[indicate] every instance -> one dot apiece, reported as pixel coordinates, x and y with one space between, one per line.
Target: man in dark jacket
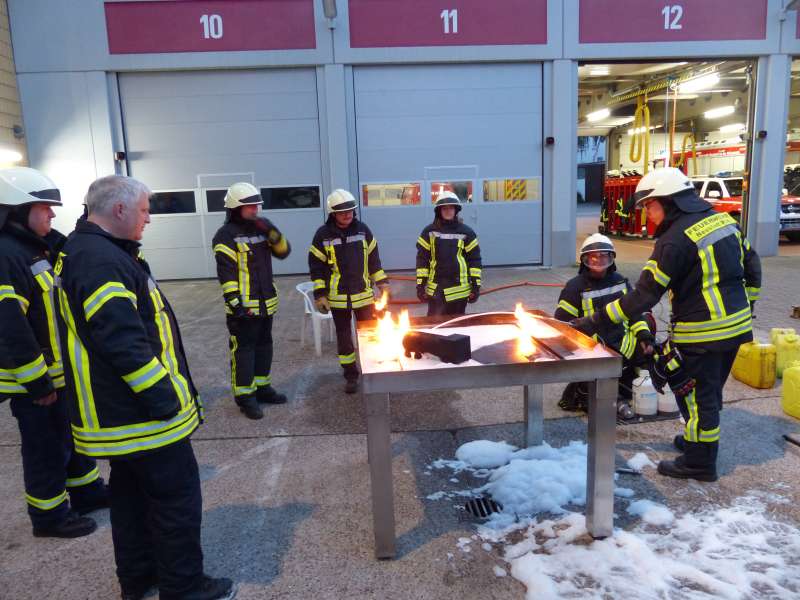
343 261
714 277
597 284
31 369
133 400
243 249
448 260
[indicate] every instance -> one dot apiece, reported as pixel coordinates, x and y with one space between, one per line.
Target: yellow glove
323 305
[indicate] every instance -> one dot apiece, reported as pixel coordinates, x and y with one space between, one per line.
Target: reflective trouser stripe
248 388
709 436
48 504
691 433
90 477
262 381
347 359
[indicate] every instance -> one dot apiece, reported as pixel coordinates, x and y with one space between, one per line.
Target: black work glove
421 294
474 294
240 312
587 325
646 341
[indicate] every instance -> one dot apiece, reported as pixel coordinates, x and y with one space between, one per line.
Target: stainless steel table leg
600 463
534 414
380 472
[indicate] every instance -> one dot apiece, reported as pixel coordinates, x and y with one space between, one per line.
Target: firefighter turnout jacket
344 263
243 251
448 259
712 275
127 376
584 295
30 354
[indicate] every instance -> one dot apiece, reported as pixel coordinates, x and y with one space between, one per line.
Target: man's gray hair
107 191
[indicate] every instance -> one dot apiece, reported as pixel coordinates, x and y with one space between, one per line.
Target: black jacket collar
87 227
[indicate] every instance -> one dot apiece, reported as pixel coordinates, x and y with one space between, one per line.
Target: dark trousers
251 355
156 511
700 408
437 305
50 465
342 320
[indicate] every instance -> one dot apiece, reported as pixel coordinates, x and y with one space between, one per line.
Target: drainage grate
482 507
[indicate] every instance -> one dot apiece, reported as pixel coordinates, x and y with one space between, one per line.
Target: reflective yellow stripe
27 372
333 286
262 381
660 277
431 287
347 359
48 504
421 241
7 387
711 293
563 304
628 345
244 273
373 243
79 364
708 226
713 336
712 435
45 281
713 324
223 249
422 272
614 311
107 291
90 477
243 390
145 377
753 293
690 431
366 264
318 253
379 275
168 356
475 272
7 292
639 326
230 287
471 246
319 284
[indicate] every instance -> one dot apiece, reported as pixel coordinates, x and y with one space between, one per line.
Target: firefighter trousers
700 408
437 305
251 355
342 321
50 466
156 513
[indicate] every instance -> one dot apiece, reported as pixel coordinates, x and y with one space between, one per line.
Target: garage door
189 135
475 130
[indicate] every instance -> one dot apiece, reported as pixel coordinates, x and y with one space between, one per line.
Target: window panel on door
174 202
462 189
390 194
291 197
511 190
215 200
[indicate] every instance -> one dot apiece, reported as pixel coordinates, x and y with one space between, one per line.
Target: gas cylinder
790 394
787 349
645 396
755 365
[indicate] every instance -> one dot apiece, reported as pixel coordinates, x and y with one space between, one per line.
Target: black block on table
454 348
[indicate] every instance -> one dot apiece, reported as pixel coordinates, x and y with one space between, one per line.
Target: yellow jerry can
790 395
755 365
788 351
777 332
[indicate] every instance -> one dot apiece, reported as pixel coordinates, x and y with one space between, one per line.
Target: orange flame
532 325
381 304
390 336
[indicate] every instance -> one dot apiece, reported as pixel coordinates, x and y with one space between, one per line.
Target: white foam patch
652 513
483 454
639 461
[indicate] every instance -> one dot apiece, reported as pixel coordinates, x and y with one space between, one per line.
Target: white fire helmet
22 185
597 252
242 194
661 183
340 200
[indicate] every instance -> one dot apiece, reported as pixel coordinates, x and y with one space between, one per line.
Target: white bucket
645 396
667 405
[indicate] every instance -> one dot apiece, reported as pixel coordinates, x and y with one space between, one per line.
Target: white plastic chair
306 290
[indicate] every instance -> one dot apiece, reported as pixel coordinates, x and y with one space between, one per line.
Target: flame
390 336
381 304
533 325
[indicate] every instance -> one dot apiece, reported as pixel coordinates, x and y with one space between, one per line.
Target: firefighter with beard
713 278
597 284
243 248
344 263
60 485
448 260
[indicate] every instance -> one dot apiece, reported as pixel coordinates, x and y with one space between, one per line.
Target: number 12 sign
620 21
405 23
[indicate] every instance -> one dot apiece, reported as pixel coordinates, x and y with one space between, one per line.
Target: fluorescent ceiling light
9 156
732 127
598 115
640 130
598 71
722 111
699 83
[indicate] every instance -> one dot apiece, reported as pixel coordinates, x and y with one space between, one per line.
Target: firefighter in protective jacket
243 248
448 261
31 369
713 278
597 284
343 262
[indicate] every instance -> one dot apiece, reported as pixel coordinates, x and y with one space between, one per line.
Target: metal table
602 371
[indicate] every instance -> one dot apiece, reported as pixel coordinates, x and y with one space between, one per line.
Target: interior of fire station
633 117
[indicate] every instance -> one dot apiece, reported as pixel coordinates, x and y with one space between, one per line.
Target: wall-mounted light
598 115
9 156
329 8
697 84
716 113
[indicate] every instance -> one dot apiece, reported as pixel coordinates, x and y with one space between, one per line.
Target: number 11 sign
405 23
621 21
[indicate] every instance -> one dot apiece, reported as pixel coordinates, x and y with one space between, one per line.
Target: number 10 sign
404 23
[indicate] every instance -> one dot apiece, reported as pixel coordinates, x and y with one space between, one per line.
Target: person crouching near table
343 262
448 260
597 284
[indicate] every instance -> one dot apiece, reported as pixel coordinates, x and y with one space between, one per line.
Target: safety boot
73 526
680 470
351 386
141 589
269 395
98 500
210 588
679 442
249 406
